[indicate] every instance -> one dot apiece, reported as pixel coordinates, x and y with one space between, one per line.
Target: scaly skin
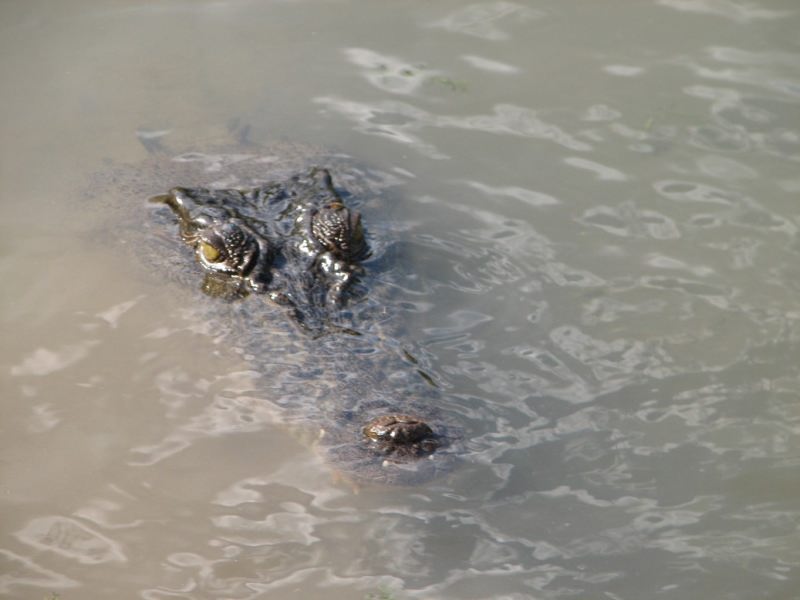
236 235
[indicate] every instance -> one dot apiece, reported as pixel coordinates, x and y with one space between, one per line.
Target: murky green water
600 202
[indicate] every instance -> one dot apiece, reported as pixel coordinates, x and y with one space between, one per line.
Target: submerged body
291 250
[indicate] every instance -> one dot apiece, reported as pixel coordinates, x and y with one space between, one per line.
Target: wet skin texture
401 435
296 243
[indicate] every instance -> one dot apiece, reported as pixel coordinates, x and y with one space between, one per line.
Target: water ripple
484 20
44 361
740 11
18 570
388 73
624 70
602 172
509 119
396 121
71 539
629 220
529 197
493 66
400 121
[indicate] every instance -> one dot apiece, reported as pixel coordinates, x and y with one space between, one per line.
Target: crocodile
290 243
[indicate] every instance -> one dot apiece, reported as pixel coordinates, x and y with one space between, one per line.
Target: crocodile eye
210 253
229 248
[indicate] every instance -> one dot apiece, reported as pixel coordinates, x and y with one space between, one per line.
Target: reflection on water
589 223
397 120
741 12
488 20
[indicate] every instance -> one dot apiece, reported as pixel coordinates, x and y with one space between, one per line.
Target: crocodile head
293 240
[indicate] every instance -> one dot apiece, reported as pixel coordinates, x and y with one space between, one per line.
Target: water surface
598 207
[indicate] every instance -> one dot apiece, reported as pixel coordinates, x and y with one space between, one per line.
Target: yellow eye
210 253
